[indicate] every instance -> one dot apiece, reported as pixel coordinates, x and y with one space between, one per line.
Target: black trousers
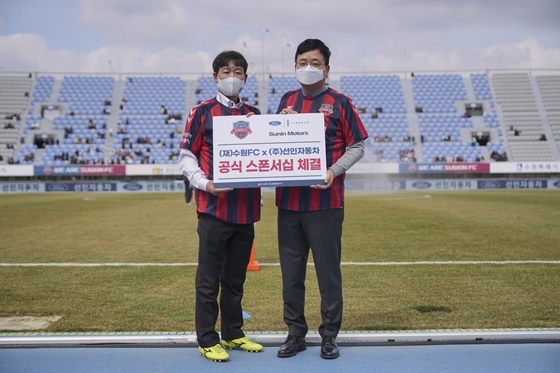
223 255
188 191
322 232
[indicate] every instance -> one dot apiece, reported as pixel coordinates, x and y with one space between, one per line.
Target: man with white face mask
311 217
226 217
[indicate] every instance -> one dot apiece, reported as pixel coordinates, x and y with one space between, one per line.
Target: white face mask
309 75
230 86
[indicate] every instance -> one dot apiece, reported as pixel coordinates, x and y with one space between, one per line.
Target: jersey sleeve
192 137
355 129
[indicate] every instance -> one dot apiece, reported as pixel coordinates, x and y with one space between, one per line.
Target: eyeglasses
315 64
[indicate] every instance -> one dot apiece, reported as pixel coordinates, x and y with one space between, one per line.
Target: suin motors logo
241 129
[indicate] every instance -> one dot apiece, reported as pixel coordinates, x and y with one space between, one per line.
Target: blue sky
175 36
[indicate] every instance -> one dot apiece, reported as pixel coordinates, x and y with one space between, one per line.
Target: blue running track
401 352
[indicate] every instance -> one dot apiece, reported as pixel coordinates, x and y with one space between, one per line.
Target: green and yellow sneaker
214 353
243 344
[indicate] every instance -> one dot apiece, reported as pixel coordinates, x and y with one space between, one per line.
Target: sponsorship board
436 184
421 168
151 186
466 167
81 187
351 183
152 169
140 186
513 184
444 168
524 167
269 150
358 184
102 170
68 170
77 170
16 170
22 187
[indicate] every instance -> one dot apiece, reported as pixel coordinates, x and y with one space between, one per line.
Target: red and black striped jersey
239 206
343 127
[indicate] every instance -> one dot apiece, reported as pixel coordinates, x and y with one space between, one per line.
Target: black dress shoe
292 346
329 348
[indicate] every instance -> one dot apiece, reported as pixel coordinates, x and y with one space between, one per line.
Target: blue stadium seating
86 95
481 86
438 93
147 95
375 92
147 122
43 89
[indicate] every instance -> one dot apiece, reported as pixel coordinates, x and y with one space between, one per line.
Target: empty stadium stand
522 118
549 90
429 117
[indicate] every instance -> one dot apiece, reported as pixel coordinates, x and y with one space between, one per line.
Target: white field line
504 262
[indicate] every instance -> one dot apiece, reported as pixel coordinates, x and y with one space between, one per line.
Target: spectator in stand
499 156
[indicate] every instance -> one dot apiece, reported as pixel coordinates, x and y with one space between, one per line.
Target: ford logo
421 184
133 187
490 185
57 187
275 123
556 183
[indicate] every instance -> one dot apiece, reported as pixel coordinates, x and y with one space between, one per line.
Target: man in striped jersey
311 217
225 216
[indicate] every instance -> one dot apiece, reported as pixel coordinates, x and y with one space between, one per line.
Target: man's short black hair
223 59
311 45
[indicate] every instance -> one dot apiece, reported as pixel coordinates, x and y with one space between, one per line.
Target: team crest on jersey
326 109
241 129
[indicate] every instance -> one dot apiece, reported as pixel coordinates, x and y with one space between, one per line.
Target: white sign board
269 150
524 167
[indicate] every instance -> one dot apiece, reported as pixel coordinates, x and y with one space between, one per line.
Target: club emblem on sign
241 129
